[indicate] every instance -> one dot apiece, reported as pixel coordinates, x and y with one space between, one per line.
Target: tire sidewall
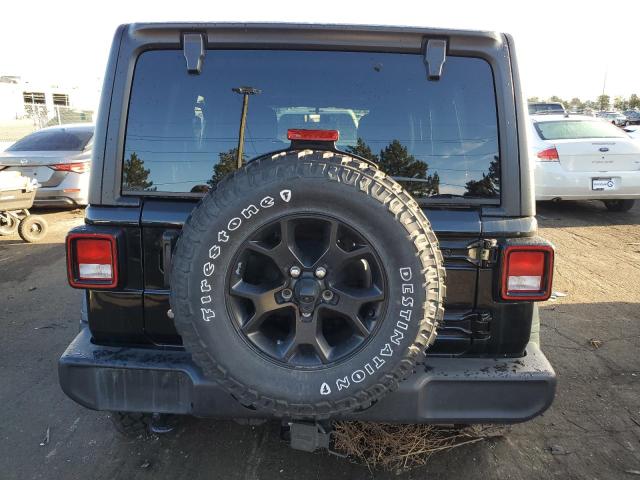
10 227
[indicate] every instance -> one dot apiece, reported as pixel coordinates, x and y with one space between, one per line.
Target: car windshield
61 139
575 129
437 138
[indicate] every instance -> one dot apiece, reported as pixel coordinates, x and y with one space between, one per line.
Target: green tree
634 101
533 99
396 161
576 104
363 150
620 103
489 186
603 102
555 98
227 163
135 176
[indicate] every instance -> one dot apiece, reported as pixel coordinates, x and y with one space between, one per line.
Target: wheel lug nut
327 295
321 272
295 271
286 294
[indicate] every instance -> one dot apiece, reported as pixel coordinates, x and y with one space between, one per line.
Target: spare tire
307 284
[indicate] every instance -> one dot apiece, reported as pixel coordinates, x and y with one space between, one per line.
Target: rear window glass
53 140
572 129
436 138
545 107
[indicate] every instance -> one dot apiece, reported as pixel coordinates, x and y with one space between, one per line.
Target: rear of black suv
386 157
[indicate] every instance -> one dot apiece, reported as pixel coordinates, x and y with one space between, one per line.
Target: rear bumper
54 197
552 182
444 390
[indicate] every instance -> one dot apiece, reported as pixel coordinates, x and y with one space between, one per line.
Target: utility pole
245 92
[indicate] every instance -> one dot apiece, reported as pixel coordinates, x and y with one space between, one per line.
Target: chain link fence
39 116
42 116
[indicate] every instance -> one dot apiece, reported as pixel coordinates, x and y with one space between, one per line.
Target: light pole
245 91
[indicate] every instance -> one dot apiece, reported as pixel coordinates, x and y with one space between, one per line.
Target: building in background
26 106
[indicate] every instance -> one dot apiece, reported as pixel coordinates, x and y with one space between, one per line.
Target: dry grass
400 447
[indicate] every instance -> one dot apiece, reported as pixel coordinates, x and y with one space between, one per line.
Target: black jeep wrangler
276 214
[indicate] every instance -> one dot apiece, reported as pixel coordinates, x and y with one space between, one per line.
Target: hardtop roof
289 27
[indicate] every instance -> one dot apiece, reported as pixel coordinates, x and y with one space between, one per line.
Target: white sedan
584 158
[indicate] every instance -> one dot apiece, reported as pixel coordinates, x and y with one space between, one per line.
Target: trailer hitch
308 436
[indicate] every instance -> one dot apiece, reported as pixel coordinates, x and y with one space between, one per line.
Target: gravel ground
591 335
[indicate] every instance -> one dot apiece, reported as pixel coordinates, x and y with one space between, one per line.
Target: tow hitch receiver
309 437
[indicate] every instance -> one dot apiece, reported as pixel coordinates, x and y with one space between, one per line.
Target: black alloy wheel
307 291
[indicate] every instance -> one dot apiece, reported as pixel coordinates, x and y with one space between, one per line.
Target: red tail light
78 167
92 260
548 155
527 272
317 135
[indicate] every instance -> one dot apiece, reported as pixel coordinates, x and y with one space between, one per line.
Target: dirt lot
591 335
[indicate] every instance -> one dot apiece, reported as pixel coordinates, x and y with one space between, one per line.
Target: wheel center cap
307 291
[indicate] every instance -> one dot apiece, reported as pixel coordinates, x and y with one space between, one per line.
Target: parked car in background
586 112
633 117
582 158
59 159
613 117
546 108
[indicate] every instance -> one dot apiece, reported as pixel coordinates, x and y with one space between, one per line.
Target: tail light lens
527 272
92 260
317 135
548 155
78 167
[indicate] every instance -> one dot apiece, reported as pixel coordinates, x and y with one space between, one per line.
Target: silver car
59 159
614 117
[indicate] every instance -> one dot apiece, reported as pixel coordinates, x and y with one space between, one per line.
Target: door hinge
193 48
483 252
435 54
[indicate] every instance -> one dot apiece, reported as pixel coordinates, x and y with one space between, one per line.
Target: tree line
395 160
603 102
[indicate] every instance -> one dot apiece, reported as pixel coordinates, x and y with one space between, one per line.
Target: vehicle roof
352 28
70 126
559 117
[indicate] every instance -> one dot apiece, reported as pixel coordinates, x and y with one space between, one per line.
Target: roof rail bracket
193 49
435 54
